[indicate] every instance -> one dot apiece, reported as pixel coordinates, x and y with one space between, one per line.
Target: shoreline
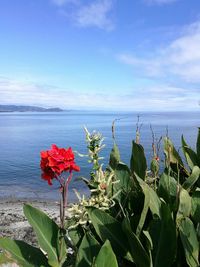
13 223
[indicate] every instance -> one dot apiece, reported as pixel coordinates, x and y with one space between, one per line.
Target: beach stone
13 223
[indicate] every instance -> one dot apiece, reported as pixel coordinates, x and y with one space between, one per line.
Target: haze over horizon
101 54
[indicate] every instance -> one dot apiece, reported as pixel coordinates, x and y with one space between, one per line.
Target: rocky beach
13 223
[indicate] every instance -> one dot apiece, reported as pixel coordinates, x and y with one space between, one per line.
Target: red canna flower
56 161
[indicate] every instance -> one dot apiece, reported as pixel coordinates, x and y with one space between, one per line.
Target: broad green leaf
170 152
148 238
167 188
24 254
114 157
198 145
138 252
144 211
190 155
189 241
185 204
47 232
88 250
122 176
76 235
163 234
138 160
195 212
191 180
106 256
109 228
154 203
149 245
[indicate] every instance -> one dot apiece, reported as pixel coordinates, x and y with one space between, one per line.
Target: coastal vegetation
134 216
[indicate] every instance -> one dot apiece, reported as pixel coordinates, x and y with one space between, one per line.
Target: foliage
126 221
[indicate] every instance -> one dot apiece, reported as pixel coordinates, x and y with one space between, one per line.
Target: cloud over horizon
158 97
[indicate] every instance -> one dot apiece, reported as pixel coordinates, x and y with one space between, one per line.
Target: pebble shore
13 223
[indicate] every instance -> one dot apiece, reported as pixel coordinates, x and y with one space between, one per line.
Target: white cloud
160 2
96 13
158 97
179 59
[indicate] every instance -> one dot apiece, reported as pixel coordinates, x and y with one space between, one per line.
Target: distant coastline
16 108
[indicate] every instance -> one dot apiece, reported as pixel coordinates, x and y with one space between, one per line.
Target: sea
24 135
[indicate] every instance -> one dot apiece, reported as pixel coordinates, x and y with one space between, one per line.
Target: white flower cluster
78 211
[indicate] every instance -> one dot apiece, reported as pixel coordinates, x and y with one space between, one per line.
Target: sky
124 55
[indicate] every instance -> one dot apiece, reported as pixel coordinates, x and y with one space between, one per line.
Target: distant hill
15 108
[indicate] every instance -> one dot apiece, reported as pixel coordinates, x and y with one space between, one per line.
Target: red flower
56 161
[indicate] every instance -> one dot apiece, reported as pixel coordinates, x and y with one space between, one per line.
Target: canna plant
125 221
147 224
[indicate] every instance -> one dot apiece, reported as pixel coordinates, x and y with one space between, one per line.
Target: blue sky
140 55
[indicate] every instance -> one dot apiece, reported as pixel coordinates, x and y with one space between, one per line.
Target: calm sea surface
24 135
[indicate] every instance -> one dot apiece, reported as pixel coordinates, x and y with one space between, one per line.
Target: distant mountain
14 108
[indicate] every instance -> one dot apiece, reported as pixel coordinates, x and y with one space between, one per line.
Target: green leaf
195 212
148 238
106 256
47 232
171 154
24 254
185 204
122 176
109 228
155 202
167 188
190 155
88 250
139 254
189 241
167 239
114 157
149 245
198 146
163 234
144 211
191 180
138 161
76 235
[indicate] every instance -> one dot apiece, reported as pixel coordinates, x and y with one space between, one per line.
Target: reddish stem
63 200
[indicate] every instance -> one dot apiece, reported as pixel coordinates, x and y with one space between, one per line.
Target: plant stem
62 203
63 200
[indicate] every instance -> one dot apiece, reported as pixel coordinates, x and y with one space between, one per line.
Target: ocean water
24 135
